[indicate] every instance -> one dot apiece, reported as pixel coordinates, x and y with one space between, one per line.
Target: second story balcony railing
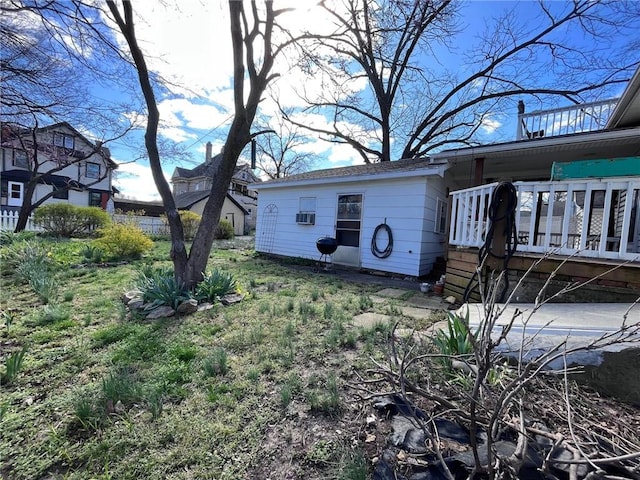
586 117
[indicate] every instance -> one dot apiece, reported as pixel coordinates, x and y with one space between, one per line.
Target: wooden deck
619 285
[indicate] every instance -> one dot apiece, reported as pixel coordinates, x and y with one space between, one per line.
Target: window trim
64 139
441 214
86 170
93 193
15 156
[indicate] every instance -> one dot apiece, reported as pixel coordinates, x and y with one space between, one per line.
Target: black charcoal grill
326 246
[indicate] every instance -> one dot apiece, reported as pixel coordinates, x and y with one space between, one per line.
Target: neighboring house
232 210
577 178
349 204
191 187
76 169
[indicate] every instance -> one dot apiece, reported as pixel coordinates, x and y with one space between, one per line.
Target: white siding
407 204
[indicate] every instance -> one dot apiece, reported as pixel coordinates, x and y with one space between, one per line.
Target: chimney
207 155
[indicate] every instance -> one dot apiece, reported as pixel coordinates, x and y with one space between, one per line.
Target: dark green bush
224 230
66 220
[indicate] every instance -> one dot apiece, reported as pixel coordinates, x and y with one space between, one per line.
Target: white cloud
136 180
489 125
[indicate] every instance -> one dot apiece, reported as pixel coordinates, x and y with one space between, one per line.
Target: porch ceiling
532 159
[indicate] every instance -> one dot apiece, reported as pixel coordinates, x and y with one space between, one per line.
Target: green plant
12 365
214 285
92 253
123 241
4 408
67 220
216 363
44 285
190 222
121 386
457 340
52 314
160 287
8 317
365 302
224 230
87 413
353 466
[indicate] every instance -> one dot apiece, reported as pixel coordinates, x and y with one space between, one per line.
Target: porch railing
586 218
586 117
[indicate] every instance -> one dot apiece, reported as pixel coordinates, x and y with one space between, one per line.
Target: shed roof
373 171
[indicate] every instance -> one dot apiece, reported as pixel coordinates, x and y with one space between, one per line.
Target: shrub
66 220
123 241
190 222
159 287
214 285
224 230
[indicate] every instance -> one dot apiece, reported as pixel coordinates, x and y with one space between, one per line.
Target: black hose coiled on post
374 244
503 189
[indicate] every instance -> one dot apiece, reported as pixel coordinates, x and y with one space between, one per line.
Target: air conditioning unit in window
306 218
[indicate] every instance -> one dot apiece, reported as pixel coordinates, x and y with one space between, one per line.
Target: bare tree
251 35
279 152
414 103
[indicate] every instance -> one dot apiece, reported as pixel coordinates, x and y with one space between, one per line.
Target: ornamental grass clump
214 285
160 287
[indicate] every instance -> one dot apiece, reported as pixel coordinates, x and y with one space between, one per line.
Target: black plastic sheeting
408 436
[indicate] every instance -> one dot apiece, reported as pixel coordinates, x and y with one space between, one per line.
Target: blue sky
192 48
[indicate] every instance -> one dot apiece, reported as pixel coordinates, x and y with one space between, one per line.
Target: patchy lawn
258 389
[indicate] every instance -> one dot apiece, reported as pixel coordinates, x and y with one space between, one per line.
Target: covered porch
583 229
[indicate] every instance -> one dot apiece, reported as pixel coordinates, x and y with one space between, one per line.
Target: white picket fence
150 225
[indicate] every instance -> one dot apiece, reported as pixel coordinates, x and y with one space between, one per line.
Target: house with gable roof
70 167
191 189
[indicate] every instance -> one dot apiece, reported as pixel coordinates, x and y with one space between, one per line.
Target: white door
16 194
348 222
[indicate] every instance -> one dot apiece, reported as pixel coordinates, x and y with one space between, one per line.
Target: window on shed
441 217
307 204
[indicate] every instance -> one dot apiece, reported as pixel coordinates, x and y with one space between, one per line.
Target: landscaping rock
205 306
136 304
231 298
131 295
187 307
161 312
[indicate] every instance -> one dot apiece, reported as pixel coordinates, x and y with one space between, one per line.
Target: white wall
407 204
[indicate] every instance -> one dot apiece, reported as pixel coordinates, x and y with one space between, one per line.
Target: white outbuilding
387 217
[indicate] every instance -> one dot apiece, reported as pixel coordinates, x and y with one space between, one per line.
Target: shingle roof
207 170
407 165
186 200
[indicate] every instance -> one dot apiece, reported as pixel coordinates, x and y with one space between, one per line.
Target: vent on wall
306 218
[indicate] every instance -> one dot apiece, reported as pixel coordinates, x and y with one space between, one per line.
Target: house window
62 140
95 199
20 159
61 193
308 204
441 217
93 170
